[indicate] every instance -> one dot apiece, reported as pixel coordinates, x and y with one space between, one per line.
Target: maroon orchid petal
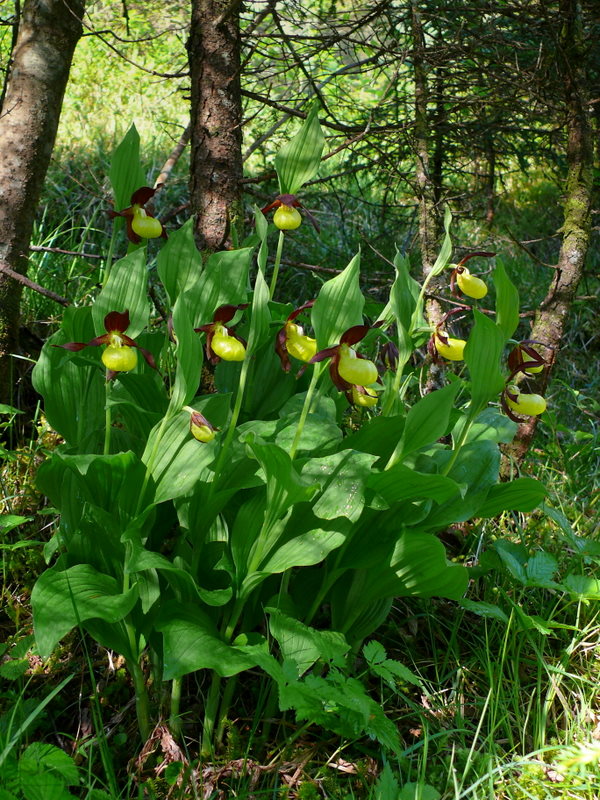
210 353
149 358
131 234
508 411
116 321
141 196
281 350
290 200
275 204
74 347
329 352
354 334
482 253
226 313
340 384
204 328
298 311
312 219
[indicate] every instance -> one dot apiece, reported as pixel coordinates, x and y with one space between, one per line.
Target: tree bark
216 119
48 33
551 318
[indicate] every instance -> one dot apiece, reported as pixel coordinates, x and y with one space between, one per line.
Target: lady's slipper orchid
389 355
524 358
447 347
221 341
200 428
292 341
362 396
469 285
347 367
120 354
141 224
529 405
286 216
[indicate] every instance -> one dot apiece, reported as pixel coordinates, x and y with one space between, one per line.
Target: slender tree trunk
47 35
216 117
551 318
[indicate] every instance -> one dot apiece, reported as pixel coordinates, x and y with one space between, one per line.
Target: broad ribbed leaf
125 290
62 598
342 478
191 642
428 419
482 354
507 301
179 263
224 281
298 160
522 494
188 355
304 645
400 483
126 174
339 305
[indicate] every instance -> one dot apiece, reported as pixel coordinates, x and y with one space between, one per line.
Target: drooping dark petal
482 253
329 352
149 358
226 313
275 204
340 384
141 196
312 219
116 321
297 311
74 347
281 350
354 334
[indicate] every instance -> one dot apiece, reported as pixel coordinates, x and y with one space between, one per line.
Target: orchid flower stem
228 692
235 414
108 421
142 705
210 715
308 400
458 445
276 264
174 718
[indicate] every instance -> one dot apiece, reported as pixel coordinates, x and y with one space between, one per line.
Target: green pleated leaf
400 483
304 645
298 160
522 494
507 301
188 354
125 290
339 305
191 642
342 478
72 384
126 174
482 355
179 263
62 598
260 315
428 419
404 296
224 281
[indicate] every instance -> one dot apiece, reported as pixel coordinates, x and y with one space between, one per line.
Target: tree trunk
47 35
216 118
550 320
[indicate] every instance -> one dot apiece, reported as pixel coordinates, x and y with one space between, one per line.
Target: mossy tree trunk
550 319
41 59
216 120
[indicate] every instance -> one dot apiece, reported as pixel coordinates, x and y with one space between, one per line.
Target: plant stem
174 717
107 421
210 715
276 264
233 421
230 687
458 445
305 409
142 705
